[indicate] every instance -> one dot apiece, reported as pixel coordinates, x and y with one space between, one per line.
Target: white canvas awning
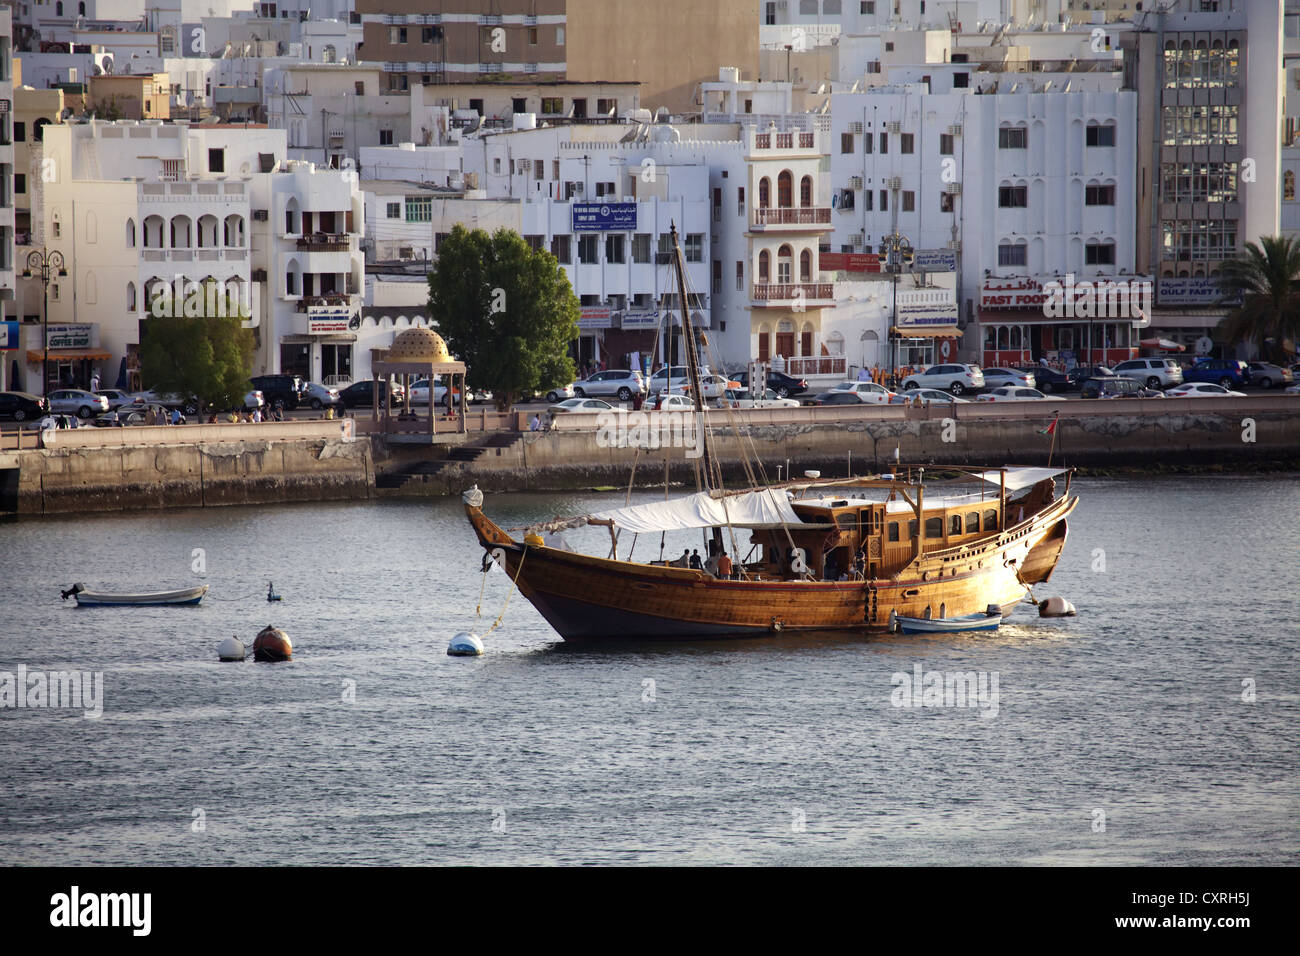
1018 478
754 509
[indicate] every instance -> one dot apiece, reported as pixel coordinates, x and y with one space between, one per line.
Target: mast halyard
692 361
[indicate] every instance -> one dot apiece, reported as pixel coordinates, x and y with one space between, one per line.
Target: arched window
764 193
130 297
784 265
806 340
81 9
180 230
764 266
785 189
805 191
1004 341
805 266
130 233
58 9
1288 185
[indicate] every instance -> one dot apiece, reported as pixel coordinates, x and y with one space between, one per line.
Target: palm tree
1266 278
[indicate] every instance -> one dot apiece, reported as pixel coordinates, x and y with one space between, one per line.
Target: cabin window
911 529
846 520
972 521
954 524
934 527
991 520
893 531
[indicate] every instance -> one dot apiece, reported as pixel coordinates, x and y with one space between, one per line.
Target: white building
8 279
138 207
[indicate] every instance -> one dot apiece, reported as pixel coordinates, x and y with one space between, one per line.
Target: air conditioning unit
954 245
860 240
525 164
855 182
954 130
855 127
261 215
894 182
953 189
894 127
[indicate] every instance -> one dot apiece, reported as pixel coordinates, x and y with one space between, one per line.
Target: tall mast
692 363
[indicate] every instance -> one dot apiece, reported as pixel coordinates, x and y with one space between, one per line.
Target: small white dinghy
88 598
987 621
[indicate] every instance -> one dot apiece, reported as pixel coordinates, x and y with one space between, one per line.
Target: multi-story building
8 277
1210 94
1018 187
667 47
145 213
331 110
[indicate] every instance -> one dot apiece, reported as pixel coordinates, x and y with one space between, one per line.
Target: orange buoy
272 645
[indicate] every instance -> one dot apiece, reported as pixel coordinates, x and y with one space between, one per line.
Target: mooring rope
514 584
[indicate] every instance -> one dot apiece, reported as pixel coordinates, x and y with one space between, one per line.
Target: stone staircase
459 454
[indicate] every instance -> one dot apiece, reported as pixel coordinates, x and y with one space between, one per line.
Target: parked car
1225 372
950 378
711 385
869 392
420 392
76 401
1203 390
1081 373
836 398
22 406
927 395
1151 372
1117 387
667 379
1000 377
1049 380
784 385
280 390
1012 393
117 397
1268 375
362 394
741 398
559 394
585 406
621 383
320 396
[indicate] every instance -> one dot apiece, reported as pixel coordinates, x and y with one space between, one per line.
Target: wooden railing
782 291
817 365
792 216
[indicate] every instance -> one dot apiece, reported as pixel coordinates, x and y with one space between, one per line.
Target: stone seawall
65 479
1154 435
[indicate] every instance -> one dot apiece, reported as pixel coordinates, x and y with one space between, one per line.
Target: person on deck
685 560
724 566
696 563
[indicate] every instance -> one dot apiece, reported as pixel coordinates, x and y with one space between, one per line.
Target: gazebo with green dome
418 353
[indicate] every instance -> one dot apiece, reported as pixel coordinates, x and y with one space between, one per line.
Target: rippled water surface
1121 736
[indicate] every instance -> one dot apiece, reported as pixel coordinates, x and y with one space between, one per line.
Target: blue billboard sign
8 336
604 217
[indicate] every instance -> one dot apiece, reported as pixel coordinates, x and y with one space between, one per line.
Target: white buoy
465 644
1056 607
231 649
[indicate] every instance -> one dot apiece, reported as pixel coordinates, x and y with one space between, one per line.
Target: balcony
324 242
817 365
792 218
330 298
785 293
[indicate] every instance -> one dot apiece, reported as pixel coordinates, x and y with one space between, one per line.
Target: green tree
198 347
1266 277
506 310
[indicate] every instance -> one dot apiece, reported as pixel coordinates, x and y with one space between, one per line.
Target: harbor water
1159 726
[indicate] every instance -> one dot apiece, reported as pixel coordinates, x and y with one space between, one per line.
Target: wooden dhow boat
847 555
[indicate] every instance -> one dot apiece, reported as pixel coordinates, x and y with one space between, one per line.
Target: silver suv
950 378
1151 372
620 382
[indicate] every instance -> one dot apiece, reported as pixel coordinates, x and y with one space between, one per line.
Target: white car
1203 390
320 396
928 395
740 398
869 392
1151 372
675 403
1013 393
1292 390
581 406
117 397
560 394
420 392
76 401
998 377
949 378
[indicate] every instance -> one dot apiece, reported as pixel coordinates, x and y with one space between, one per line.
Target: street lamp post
43 264
897 249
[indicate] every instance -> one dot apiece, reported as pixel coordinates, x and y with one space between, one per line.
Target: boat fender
75 589
1056 607
893 621
465 644
534 540
231 649
777 624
